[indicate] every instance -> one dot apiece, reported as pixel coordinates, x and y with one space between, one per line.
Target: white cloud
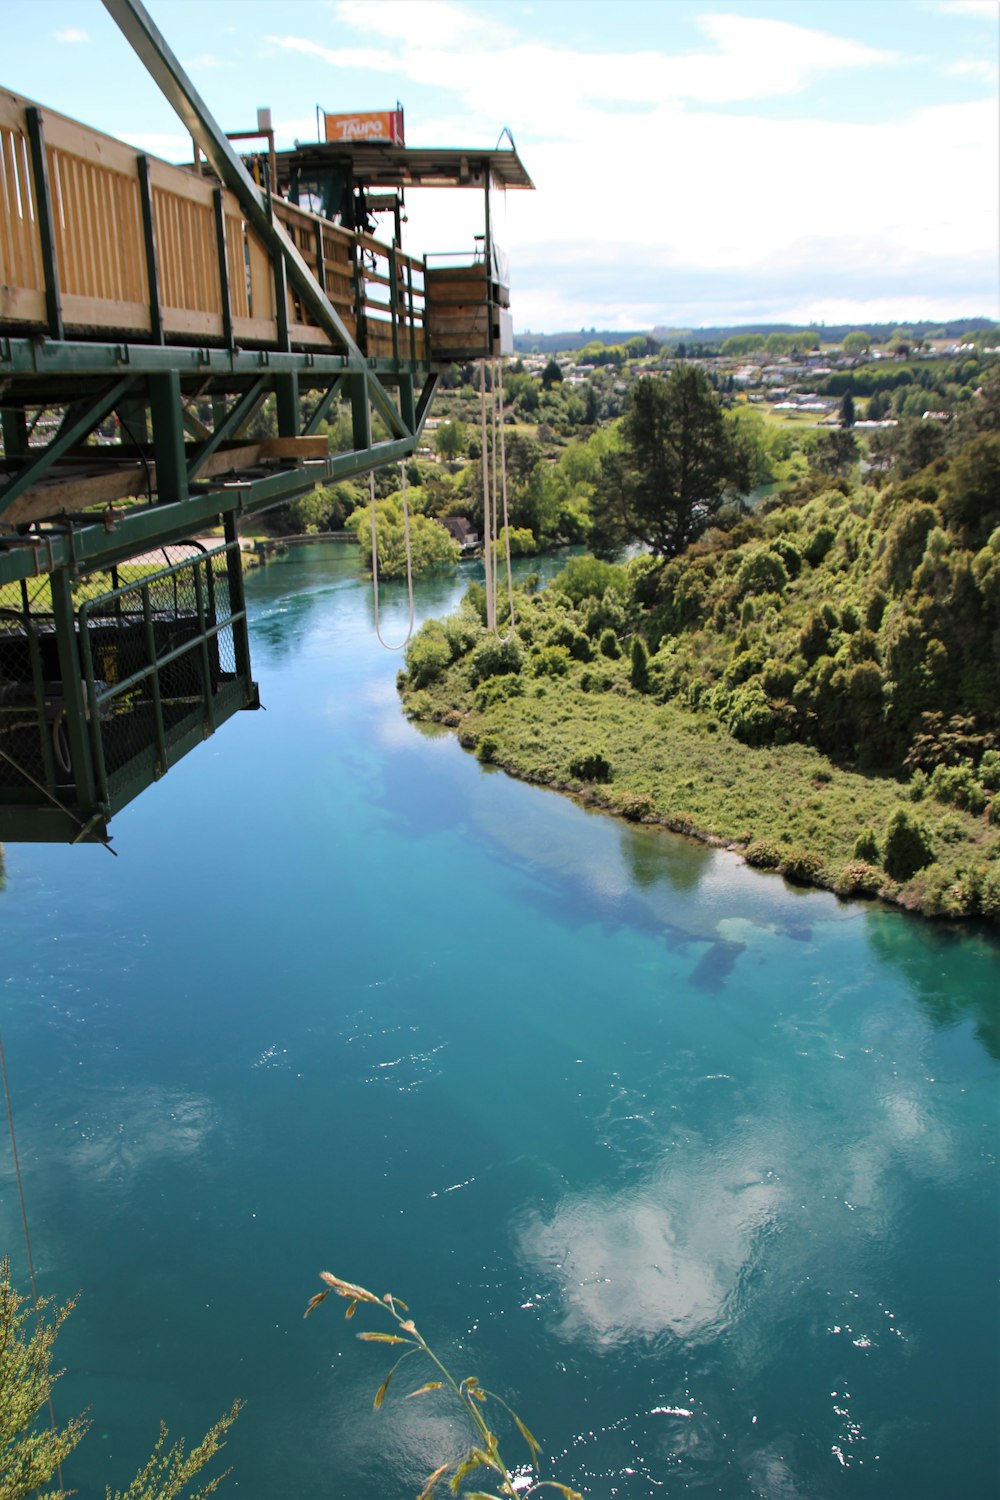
71 34
974 67
986 10
649 179
750 59
448 23
204 60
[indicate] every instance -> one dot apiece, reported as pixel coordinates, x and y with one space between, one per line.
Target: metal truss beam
79 422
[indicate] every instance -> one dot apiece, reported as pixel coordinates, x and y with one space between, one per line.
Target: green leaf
476 1458
534 1446
380 1393
383 1338
432 1479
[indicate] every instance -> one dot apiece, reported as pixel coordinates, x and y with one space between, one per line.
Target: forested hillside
816 681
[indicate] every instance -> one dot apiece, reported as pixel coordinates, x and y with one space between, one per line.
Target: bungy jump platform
148 312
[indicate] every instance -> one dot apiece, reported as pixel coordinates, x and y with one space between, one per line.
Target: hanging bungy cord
498 382
409 558
490 496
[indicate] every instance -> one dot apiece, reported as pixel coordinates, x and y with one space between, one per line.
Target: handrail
140 248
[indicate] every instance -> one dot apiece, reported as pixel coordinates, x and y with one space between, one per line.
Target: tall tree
676 463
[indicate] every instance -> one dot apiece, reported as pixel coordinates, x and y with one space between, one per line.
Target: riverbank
786 808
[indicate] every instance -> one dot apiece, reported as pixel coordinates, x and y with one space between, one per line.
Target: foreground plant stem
468 1392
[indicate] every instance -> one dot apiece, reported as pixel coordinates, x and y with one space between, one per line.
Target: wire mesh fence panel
160 663
34 749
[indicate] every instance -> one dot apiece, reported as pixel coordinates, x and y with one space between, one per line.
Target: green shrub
486 749
819 544
763 855
778 678
907 846
814 637
608 644
989 770
866 847
789 554
639 673
565 633
859 879
989 893
957 786
427 655
588 578
801 866
634 806
498 690
594 766
493 657
750 716
418 705
550 661
744 664
761 572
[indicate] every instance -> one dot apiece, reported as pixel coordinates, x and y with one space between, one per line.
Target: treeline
833 333
846 634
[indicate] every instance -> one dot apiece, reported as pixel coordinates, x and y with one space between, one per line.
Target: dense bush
593 766
907 846
763 854
428 654
801 866
639 672
493 657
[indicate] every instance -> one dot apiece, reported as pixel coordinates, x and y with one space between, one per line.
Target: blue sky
696 163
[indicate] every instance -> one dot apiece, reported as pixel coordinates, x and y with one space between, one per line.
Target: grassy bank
784 807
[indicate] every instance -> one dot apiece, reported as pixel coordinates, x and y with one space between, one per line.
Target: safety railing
98 240
165 660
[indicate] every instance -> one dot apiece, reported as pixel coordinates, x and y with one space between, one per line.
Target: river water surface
697 1171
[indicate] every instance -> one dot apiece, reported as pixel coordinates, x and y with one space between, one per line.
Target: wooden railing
98 240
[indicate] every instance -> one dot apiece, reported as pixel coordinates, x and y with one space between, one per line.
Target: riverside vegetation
815 683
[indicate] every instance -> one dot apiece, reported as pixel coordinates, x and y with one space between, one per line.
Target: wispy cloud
71 34
450 24
746 59
986 10
205 60
973 67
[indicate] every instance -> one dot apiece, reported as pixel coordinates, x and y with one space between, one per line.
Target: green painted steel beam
87 547
322 408
234 419
37 358
77 425
136 24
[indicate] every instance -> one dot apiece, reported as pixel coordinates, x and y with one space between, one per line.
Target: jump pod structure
148 312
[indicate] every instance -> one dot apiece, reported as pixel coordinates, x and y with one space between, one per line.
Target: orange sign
380 125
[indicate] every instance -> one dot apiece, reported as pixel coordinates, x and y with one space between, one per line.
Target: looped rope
409 558
491 500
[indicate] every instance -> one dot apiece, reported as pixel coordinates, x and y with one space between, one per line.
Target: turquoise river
696 1170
